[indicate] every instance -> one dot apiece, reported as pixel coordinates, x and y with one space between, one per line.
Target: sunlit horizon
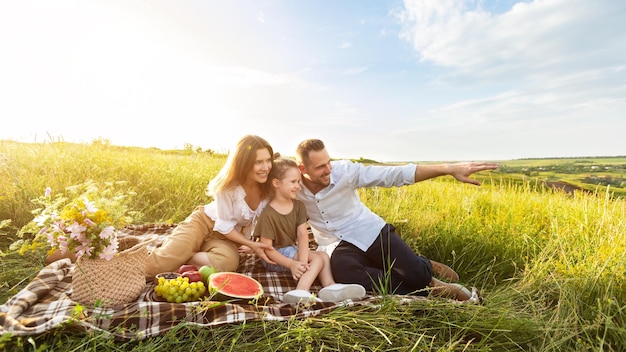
383 80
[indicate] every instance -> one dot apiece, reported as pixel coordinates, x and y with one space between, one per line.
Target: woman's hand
260 248
243 249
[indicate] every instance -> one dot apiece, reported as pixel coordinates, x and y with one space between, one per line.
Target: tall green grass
550 266
169 184
564 256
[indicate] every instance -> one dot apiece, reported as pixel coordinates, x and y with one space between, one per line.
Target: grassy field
594 175
550 265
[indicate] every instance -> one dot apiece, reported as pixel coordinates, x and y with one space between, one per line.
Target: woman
212 234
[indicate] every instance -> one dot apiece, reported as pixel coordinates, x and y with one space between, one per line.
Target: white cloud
530 37
539 73
485 80
354 70
345 45
242 76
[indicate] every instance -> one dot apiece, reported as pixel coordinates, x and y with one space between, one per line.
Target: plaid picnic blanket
46 303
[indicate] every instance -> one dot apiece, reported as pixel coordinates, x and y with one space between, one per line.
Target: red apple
186 267
193 275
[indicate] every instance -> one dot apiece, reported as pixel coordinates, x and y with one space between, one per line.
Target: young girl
283 224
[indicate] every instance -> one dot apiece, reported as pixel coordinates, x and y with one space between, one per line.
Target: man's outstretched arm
460 171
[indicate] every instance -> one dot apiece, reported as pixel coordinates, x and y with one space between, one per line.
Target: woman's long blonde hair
238 164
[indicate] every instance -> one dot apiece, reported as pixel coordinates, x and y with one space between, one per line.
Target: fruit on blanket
167 275
234 286
179 290
193 276
186 267
206 271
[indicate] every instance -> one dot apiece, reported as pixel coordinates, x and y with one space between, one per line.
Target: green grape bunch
179 290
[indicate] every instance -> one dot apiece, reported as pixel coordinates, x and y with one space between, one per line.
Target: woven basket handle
139 246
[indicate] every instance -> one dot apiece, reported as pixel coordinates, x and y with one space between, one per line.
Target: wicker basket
111 282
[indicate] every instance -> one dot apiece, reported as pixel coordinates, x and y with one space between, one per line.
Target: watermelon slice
234 286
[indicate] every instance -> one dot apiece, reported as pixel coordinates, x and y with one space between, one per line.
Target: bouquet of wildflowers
84 224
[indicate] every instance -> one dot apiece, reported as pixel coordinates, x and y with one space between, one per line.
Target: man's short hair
306 147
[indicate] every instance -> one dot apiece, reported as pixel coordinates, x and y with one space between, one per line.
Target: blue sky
386 80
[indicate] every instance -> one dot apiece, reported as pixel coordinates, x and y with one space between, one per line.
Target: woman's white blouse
230 211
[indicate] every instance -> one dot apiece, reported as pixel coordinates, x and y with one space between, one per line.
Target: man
363 247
